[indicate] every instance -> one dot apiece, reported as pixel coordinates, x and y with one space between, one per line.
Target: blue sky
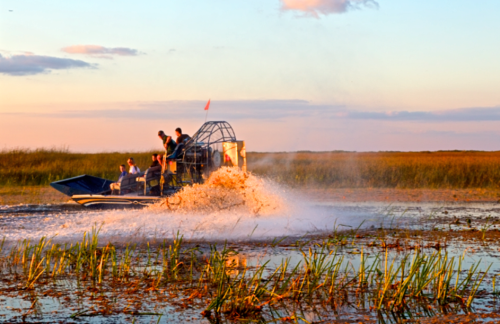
288 74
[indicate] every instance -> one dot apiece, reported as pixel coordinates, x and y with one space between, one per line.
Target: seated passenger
116 185
134 169
181 138
168 142
155 163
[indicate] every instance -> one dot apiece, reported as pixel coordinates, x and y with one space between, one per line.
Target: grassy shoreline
411 170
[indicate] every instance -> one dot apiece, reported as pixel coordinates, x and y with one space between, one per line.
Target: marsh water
258 239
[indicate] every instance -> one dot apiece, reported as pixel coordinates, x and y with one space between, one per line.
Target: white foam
231 205
132 225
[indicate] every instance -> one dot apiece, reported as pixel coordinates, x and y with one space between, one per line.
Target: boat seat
128 183
151 180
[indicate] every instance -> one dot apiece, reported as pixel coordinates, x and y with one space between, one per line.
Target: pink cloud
100 51
325 7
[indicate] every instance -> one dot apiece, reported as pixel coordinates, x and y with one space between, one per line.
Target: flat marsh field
429 170
338 176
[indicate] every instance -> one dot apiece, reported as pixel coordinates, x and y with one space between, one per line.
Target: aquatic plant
216 282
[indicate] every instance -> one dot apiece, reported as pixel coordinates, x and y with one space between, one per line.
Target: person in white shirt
134 169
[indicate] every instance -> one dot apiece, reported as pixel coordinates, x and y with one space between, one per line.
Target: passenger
123 172
168 142
155 163
134 169
180 137
116 185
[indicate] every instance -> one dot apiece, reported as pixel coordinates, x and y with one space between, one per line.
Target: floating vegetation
321 279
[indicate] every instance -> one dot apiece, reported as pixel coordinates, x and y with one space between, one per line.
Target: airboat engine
235 154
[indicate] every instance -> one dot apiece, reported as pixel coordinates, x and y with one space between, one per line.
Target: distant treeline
444 169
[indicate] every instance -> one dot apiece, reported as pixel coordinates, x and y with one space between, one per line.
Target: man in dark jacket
180 137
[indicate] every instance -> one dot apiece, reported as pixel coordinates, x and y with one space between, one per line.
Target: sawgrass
42 166
323 276
432 170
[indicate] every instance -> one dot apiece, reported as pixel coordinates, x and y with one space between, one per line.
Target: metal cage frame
210 129
204 142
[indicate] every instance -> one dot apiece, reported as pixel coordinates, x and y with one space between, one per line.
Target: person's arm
166 142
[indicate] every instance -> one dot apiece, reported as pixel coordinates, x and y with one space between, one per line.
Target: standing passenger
180 137
168 142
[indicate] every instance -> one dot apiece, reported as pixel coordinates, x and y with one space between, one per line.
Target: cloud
275 110
315 8
29 64
280 109
453 115
272 110
100 51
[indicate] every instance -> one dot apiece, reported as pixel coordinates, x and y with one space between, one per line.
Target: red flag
208 105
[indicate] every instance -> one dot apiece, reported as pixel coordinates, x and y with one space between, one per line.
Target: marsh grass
42 166
442 169
447 169
212 281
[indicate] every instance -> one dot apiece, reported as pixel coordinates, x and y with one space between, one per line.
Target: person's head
159 158
178 131
161 134
153 157
122 167
131 161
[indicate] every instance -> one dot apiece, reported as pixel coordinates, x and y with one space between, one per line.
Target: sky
288 75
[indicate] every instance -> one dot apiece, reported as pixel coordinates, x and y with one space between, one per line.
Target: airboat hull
114 201
82 185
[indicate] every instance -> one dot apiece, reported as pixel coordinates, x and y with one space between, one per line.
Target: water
253 215
251 234
33 222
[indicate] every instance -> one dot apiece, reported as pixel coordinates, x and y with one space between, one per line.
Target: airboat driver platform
214 145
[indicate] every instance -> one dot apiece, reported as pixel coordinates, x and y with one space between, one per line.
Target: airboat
214 145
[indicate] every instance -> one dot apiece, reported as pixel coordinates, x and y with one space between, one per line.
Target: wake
231 205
